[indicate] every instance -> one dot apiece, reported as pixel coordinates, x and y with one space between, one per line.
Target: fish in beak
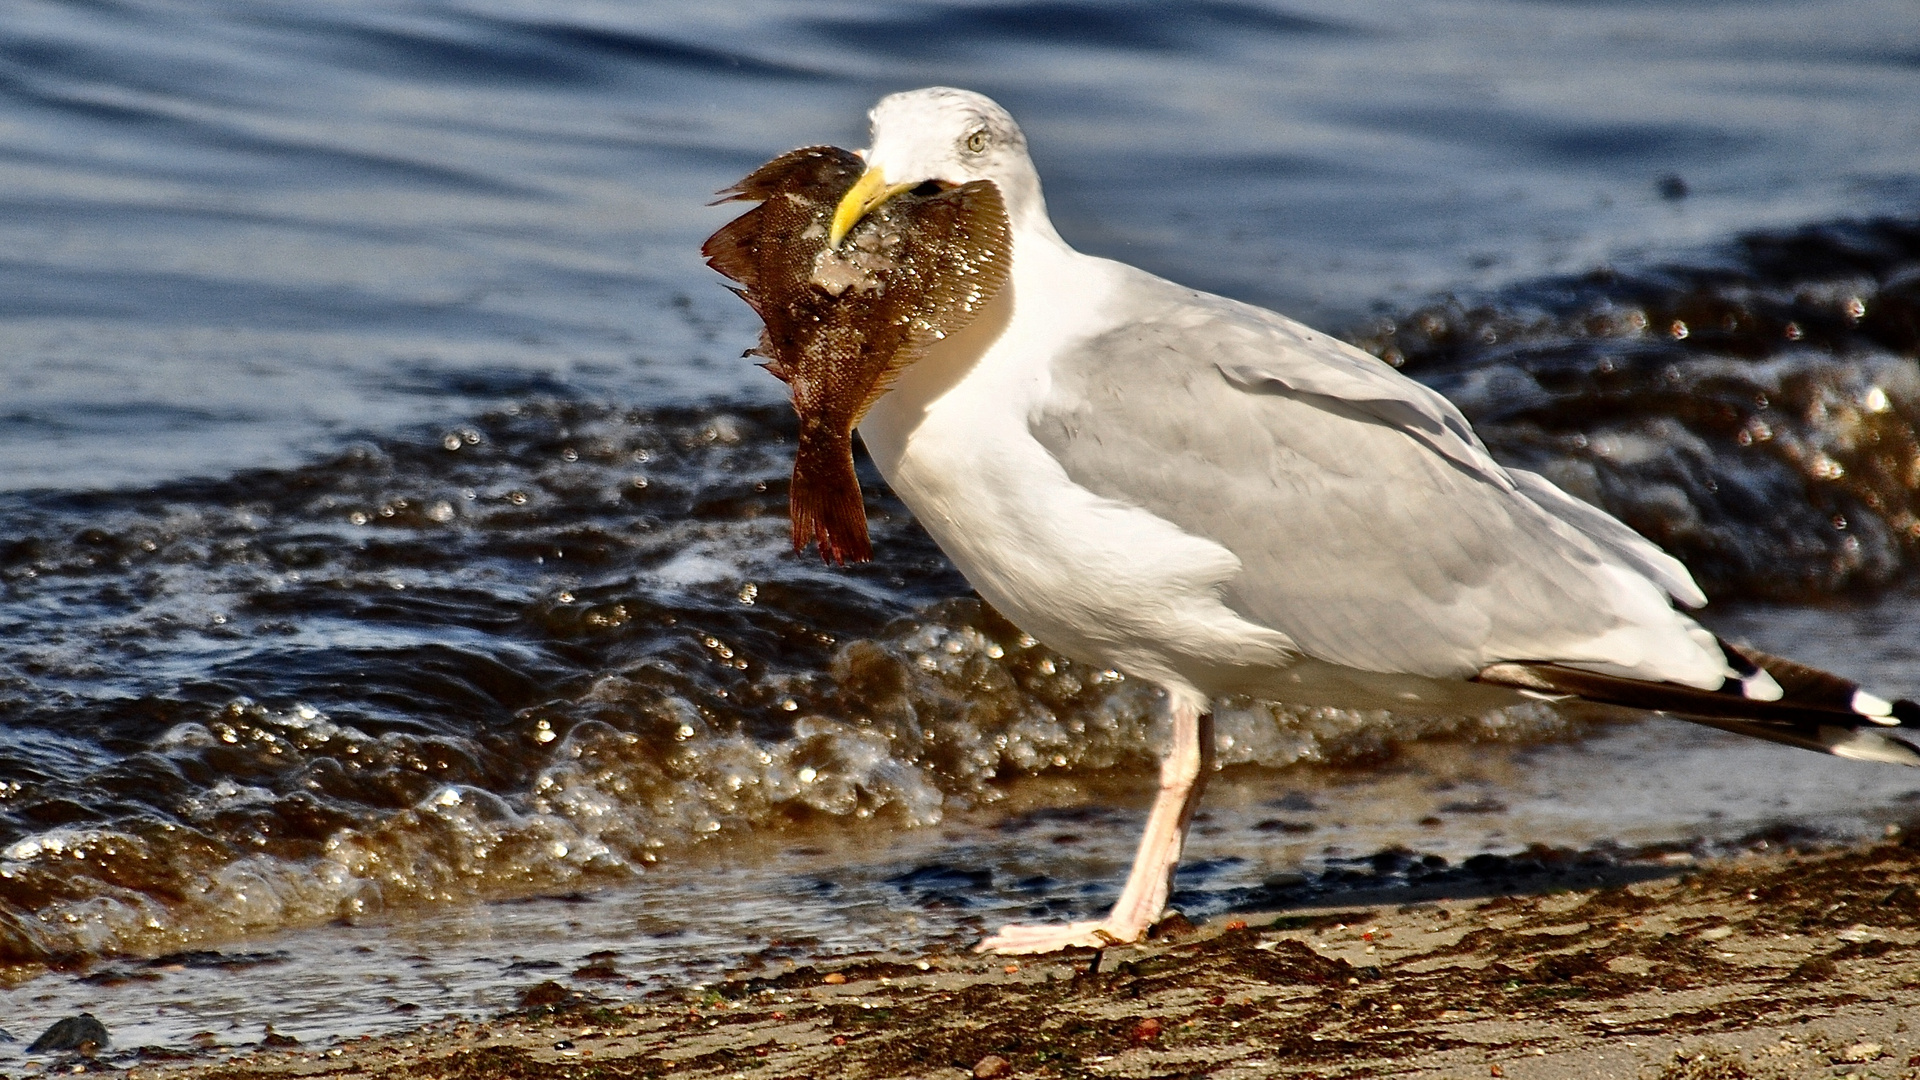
853 279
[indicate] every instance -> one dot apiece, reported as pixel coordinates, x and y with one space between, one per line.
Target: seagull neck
1027 210
1040 258
1036 244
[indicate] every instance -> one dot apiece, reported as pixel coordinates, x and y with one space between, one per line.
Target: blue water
239 234
390 530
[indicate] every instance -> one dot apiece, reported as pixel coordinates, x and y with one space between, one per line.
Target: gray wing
1372 525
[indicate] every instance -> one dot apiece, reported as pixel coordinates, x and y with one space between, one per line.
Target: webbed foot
1052 937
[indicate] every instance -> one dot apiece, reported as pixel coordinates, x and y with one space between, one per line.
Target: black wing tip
1857 726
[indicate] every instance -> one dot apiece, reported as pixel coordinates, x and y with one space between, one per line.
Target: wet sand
1779 965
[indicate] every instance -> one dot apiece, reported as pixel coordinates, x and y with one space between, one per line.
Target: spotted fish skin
840 323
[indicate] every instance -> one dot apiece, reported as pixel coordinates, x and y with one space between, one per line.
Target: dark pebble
83 1033
992 1067
1172 928
544 994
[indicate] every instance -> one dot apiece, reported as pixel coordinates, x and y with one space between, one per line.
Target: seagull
1220 500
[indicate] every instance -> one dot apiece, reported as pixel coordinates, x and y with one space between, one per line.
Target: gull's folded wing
1371 525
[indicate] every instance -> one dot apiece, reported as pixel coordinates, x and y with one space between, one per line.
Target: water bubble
748 592
452 442
1678 330
725 430
357 518
441 511
1876 400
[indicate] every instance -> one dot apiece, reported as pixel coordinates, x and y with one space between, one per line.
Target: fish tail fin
824 500
1769 698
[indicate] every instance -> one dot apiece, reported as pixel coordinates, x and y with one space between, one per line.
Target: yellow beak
860 200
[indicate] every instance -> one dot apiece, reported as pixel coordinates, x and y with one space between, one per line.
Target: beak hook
866 194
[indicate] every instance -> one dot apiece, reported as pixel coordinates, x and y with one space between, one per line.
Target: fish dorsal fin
737 249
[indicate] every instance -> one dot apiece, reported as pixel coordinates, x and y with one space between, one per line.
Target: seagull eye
977 141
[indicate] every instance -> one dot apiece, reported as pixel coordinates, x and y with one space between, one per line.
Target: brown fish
842 321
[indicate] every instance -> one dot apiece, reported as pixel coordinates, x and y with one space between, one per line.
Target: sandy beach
1776 965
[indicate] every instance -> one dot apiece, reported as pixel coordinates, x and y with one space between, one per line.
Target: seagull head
943 137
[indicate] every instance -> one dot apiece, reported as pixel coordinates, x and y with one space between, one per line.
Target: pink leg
1183 775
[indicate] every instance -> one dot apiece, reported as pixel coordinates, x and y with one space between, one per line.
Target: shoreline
1762 966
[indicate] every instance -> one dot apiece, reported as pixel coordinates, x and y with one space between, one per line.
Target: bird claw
1025 940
